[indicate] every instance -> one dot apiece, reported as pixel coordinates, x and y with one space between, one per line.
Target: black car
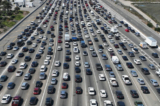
3 78
134 93
131 54
145 71
31 50
39 84
77 70
119 95
38 41
3 53
78 90
34 64
124 47
29 42
49 52
10 85
125 58
65 65
144 89
38 56
3 63
32 70
78 78
155 55
98 66
50 89
11 68
24 49
100 47
142 58
88 71
67 58
121 44
120 103
129 65
1 86
33 101
27 58
158 90
20 54
68 52
48 101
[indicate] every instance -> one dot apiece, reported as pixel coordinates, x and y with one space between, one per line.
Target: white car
65 76
48 57
110 36
107 103
103 93
110 49
113 82
86 36
14 61
89 24
45 38
34 45
19 73
59 48
77 63
77 57
135 50
93 34
43 68
50 43
23 65
57 63
91 91
6 98
105 44
75 49
55 73
45 25
36 33
42 47
40 36
91 48
137 61
10 55
15 48
100 51
102 77
98 32
86 65
124 40
126 79
39 21
75 44
46 62
93 102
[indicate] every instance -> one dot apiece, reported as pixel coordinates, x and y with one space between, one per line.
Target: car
126 79
110 49
130 45
134 73
68 52
42 76
40 51
91 91
11 68
50 89
144 89
63 94
103 93
24 49
53 81
94 54
15 48
32 70
119 67
78 90
140 81
86 65
65 65
6 99
3 53
93 102
65 76
135 50
59 48
158 90
33 100
151 66
142 58
16 101
134 93
77 57
138 103
19 73
23 65
155 55
111 74
113 82
48 57
27 58
104 57
137 61
119 95
36 91
129 65
39 84
120 103
10 55
57 63
64 85
34 64
125 58
10 85
46 62
27 76
108 67
14 61
131 54
77 63
107 103
154 82
145 71
78 78
75 44
100 51
3 63
3 78
55 73
120 52
85 53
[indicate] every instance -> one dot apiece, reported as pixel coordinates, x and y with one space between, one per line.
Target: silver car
53 81
151 66
42 76
27 76
119 67
91 48
24 85
130 45
154 82
86 64
140 81
120 52
112 75
134 73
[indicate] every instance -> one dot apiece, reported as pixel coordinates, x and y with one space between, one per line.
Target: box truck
115 59
67 38
151 42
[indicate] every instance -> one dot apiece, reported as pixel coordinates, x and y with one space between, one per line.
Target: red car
16 101
59 37
66 26
51 26
36 91
56 12
116 46
59 41
64 85
126 30
46 20
78 90
110 22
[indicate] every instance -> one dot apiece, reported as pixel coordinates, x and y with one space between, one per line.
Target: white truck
143 45
115 59
114 29
158 72
151 42
67 38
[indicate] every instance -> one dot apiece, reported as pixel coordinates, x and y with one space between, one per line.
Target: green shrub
13 16
18 17
9 23
1 18
157 29
150 24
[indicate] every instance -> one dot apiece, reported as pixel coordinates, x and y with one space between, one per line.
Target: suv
63 94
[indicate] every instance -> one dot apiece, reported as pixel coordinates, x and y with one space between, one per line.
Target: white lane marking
25 102
33 81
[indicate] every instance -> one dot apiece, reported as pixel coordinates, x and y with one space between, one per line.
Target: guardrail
15 26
